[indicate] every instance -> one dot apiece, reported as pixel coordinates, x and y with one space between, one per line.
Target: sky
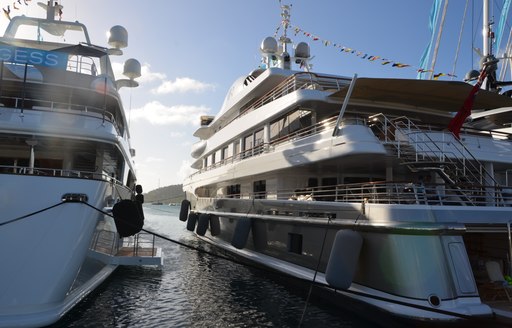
191 51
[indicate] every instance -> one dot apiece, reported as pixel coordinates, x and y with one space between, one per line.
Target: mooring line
260 268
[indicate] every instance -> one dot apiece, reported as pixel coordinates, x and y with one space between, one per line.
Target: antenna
273 50
53 9
284 40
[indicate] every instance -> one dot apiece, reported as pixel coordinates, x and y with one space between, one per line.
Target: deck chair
496 277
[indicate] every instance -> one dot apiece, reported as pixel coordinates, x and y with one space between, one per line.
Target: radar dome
118 37
132 68
302 50
471 75
269 45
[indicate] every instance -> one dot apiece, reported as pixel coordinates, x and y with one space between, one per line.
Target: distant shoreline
165 195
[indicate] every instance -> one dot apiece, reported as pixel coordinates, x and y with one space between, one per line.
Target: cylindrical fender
214 225
202 224
343 259
241 233
185 207
191 222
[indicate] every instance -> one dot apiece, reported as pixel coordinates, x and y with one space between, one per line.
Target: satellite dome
132 68
118 37
471 75
269 45
302 50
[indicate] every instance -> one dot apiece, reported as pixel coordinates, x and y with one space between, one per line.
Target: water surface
195 289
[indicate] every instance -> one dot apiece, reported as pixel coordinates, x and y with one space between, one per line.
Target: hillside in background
165 195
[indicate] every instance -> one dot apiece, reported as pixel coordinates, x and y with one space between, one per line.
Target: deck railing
61 173
394 193
108 242
324 125
296 82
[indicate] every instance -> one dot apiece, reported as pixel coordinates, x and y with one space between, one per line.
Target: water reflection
197 290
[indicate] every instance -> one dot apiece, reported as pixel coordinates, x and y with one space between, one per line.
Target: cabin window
213 158
236 149
248 145
130 182
233 191
258 142
348 180
295 243
328 189
259 189
290 123
224 154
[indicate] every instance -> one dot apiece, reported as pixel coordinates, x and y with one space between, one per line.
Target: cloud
182 85
154 160
179 85
158 114
185 170
177 134
146 74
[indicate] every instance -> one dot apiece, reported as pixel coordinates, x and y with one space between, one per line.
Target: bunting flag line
15 5
371 58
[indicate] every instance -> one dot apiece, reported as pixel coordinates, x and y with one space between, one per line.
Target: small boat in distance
65 164
359 185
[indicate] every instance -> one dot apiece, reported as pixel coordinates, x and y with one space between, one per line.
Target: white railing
108 242
394 193
41 171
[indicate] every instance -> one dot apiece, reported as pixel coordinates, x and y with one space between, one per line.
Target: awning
438 95
83 50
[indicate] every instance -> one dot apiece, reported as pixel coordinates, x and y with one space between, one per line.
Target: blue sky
193 50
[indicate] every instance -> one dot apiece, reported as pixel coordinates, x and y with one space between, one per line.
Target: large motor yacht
375 190
65 162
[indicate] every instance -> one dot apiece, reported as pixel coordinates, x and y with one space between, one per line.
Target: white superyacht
362 185
65 163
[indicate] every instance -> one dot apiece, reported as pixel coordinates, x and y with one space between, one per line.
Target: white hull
54 243
404 307
65 156
379 188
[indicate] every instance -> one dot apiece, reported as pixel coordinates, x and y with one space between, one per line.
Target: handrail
25 170
388 192
430 151
297 135
298 81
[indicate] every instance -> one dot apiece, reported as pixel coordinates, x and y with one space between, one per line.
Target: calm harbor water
198 290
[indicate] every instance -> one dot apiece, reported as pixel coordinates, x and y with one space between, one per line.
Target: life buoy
184 210
191 221
241 233
202 224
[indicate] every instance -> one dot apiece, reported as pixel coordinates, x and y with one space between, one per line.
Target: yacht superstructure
65 161
358 185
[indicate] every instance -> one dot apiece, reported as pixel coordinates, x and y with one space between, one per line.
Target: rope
460 39
259 268
316 271
438 41
33 213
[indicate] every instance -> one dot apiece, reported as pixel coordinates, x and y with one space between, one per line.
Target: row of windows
253 143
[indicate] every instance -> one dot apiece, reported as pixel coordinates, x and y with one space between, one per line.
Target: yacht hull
41 233
410 270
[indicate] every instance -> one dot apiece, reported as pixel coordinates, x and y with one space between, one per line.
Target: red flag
456 123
